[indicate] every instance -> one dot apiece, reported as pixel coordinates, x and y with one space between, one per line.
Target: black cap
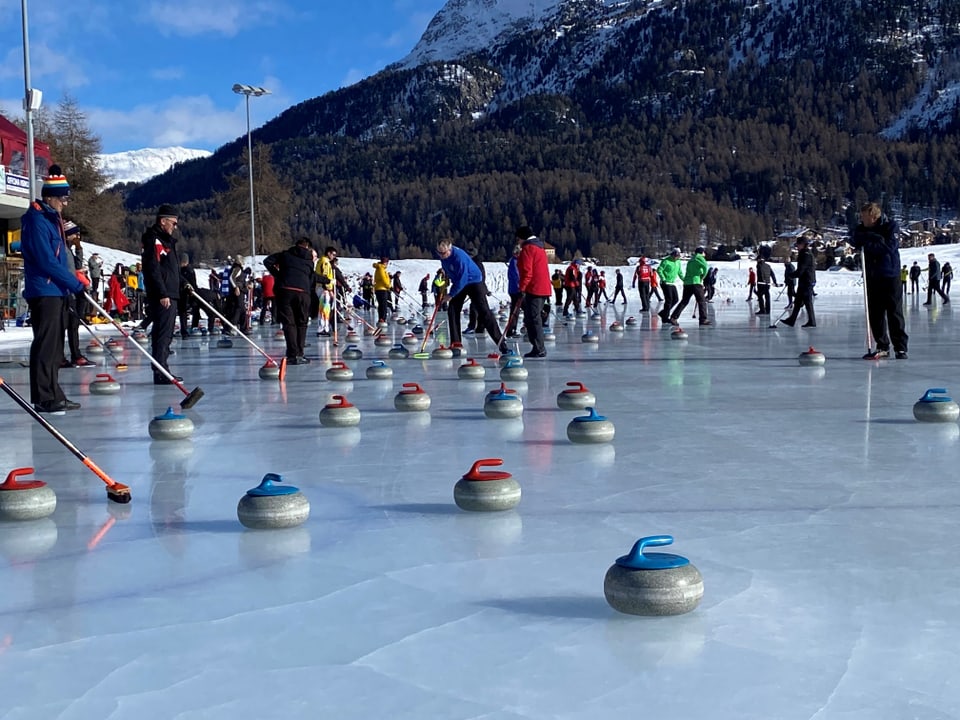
700 249
166 211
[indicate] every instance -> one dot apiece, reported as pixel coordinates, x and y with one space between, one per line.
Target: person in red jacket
269 299
535 287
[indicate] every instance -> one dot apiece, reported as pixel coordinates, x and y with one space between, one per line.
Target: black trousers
293 311
670 298
692 291
885 303
803 300
477 292
533 319
48 317
514 313
763 298
383 304
164 320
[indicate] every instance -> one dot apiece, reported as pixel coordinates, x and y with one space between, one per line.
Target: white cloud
167 73
224 17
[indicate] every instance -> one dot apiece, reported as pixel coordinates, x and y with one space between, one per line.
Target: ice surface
821 515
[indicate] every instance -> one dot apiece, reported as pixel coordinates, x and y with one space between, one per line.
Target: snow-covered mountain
137 166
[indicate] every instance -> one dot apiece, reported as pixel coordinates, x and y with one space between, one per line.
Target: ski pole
192 396
117 492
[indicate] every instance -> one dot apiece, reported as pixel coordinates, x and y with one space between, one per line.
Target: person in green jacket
693 287
668 271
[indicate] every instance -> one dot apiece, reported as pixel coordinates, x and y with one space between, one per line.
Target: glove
188 287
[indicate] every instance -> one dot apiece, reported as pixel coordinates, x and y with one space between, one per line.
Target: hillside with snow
137 166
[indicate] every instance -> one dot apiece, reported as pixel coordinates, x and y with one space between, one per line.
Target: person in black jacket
161 275
878 238
806 276
187 305
294 272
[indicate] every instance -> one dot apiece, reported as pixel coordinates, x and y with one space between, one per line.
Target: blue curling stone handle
269 488
169 415
637 559
595 417
935 395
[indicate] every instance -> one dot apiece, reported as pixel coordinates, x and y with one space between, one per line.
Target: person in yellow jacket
382 288
326 289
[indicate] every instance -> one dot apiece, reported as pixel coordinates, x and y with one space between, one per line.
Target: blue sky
158 73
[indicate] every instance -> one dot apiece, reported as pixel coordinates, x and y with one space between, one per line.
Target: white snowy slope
140 165
463 27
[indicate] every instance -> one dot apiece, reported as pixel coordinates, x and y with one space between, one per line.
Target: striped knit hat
55 184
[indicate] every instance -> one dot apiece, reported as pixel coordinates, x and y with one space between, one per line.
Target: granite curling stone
417 330
592 428
510 356
352 337
411 399
383 324
491 491
442 353
383 340
352 352
653 584
104 385
513 371
811 358
576 397
379 370
471 370
410 340
590 337
398 352
678 333
279 335
270 370
170 426
616 326
270 506
339 372
25 499
94 349
224 342
339 413
631 322
502 404
935 406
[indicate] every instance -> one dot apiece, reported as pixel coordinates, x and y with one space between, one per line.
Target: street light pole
247 91
28 105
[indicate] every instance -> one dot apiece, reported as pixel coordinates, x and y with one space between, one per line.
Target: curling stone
490 491
502 404
170 426
398 352
25 499
631 322
616 326
513 371
442 353
104 385
417 330
401 320
379 370
589 337
410 339
383 341
224 342
271 506
508 357
549 336
339 372
653 583
383 324
595 315
935 407
141 337
279 335
812 358
678 333
576 397
352 337
411 399
581 313
368 331
352 352
339 413
113 343
93 349
592 428
270 370
471 370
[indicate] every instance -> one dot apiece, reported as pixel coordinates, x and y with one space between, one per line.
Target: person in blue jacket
464 280
49 278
